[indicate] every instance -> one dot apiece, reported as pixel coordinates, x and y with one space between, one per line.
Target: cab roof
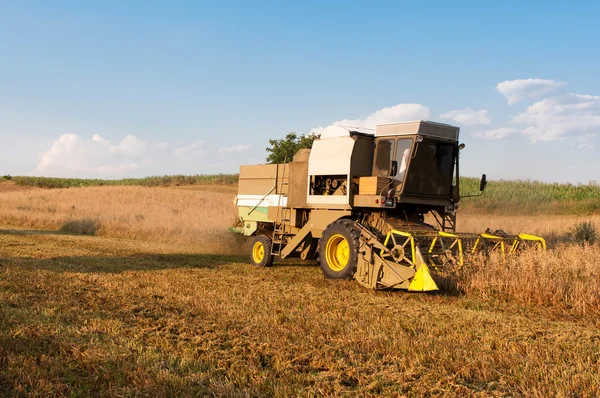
422 127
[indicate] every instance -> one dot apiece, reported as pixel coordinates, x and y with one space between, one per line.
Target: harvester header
358 199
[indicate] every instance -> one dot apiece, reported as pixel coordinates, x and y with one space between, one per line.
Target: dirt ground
89 315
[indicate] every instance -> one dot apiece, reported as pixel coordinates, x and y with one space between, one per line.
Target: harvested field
139 308
91 315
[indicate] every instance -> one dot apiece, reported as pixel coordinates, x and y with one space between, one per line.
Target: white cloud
190 151
129 146
467 116
559 117
97 138
583 141
393 114
72 156
235 148
122 168
496 134
317 130
521 89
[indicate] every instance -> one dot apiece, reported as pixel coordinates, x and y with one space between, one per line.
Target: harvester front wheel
260 251
338 250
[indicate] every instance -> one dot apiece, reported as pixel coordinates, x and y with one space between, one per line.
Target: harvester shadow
119 264
34 232
295 262
160 262
448 287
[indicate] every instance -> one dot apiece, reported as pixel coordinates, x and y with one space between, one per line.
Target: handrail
260 201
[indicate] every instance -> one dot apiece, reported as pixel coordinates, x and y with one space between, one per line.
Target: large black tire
338 249
260 251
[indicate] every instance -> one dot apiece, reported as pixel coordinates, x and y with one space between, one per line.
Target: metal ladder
282 218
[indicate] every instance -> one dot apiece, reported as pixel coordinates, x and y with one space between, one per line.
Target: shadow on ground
138 262
157 262
34 232
107 264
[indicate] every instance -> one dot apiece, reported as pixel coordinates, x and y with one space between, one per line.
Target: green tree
285 148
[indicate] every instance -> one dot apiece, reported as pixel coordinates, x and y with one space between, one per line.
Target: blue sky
134 88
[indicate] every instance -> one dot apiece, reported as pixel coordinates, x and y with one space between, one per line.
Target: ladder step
281 233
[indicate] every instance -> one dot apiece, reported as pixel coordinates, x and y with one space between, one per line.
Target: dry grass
97 316
541 225
11 186
565 280
194 219
158 315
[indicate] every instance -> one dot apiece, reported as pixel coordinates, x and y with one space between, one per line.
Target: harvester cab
377 206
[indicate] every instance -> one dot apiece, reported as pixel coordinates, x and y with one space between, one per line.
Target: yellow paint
515 245
500 241
457 241
433 242
406 235
541 241
422 282
258 252
337 252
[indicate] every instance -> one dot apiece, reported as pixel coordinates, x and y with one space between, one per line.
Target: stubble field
160 301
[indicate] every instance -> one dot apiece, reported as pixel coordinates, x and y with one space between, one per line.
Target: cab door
384 155
392 157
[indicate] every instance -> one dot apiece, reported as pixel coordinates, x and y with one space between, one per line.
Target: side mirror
483 182
394 170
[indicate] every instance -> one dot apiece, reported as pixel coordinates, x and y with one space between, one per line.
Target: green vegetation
285 148
530 197
155 181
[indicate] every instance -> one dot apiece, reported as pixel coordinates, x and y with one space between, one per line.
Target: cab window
383 158
403 147
432 169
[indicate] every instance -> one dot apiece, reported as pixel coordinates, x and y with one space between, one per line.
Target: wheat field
159 300
193 219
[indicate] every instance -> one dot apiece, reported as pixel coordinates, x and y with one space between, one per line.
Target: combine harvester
358 202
